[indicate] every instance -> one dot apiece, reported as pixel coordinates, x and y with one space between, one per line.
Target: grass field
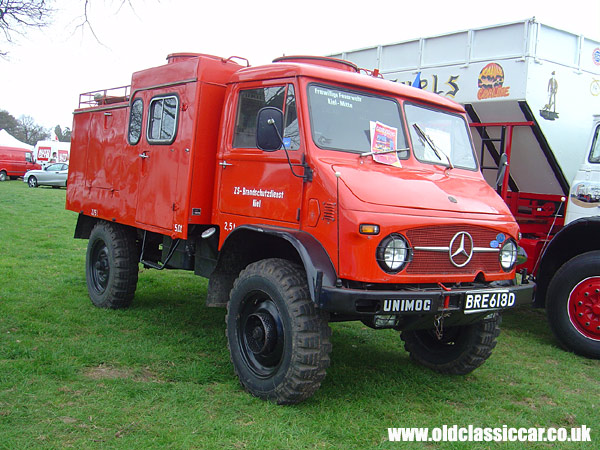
158 375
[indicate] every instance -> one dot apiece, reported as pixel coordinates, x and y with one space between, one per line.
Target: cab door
257 186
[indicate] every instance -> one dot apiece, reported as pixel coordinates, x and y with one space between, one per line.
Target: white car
52 175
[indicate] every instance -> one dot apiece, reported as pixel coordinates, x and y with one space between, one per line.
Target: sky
47 69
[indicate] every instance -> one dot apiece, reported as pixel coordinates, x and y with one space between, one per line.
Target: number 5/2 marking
178 228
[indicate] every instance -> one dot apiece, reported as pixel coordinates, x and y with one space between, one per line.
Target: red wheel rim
584 308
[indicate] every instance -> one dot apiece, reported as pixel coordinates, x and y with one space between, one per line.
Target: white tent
6 140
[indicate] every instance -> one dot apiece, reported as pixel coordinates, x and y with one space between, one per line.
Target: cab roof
327 74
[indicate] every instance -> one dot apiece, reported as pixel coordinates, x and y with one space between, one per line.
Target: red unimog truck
307 192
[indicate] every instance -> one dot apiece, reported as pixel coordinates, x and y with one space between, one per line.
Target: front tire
278 341
111 265
32 182
573 305
460 350
2 176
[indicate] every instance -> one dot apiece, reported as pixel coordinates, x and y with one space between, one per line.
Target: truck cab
584 198
569 273
306 192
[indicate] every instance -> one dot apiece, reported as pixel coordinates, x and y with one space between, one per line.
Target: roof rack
104 97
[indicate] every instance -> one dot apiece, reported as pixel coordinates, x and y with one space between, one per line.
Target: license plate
477 301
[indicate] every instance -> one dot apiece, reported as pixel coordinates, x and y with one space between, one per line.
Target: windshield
595 153
440 137
342 119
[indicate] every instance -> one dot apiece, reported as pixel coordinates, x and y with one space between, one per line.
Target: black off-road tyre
278 341
111 265
573 305
461 350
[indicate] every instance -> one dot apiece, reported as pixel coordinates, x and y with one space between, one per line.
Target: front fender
317 263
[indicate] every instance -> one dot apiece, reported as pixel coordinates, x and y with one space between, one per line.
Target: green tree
8 122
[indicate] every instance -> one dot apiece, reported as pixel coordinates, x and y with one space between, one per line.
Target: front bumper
472 301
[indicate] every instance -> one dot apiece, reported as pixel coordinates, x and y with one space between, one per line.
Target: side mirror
502 164
269 129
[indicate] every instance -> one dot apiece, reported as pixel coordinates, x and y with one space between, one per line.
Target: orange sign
491 82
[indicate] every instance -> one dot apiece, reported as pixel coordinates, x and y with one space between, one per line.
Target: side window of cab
594 157
251 101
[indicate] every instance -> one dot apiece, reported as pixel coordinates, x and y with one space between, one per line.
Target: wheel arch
251 243
579 236
84 226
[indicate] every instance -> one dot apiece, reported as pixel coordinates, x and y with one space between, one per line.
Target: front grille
438 262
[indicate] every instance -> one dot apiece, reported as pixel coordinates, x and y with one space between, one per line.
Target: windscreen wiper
427 139
383 152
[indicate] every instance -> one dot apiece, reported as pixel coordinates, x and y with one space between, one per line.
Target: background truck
51 151
16 157
307 193
530 92
14 162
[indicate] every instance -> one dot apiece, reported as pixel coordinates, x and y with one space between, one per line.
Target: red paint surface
201 179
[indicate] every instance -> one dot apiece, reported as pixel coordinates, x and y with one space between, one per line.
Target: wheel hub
100 268
584 308
261 333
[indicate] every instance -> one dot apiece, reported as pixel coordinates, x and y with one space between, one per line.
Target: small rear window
135 121
162 119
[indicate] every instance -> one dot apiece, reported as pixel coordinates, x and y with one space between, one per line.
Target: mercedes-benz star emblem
461 249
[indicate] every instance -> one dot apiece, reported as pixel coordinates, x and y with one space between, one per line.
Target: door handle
225 164
143 155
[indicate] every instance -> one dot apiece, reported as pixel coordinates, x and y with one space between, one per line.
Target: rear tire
461 349
111 265
573 305
278 341
2 176
32 182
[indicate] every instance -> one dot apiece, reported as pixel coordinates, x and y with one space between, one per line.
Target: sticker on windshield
384 140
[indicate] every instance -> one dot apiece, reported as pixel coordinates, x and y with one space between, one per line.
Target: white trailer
531 92
47 152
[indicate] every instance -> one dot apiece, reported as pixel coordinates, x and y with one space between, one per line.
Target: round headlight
393 253
508 255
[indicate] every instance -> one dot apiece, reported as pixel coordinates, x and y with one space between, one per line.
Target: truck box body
111 178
